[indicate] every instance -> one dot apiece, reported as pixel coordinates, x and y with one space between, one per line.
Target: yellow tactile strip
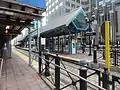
65 57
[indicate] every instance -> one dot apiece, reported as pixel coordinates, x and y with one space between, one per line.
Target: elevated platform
14 17
17 75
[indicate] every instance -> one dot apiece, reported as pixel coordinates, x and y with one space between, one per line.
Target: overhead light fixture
6 31
7 27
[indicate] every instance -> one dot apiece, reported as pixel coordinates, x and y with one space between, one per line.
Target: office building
56 8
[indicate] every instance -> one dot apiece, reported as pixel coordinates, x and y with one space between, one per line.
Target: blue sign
36 3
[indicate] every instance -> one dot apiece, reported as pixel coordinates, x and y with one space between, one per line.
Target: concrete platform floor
17 75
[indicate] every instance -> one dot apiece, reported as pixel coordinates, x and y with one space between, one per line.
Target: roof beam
9 22
18 13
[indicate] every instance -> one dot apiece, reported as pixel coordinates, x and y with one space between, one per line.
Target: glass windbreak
79 22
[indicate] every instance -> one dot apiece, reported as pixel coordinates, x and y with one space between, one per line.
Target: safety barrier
105 79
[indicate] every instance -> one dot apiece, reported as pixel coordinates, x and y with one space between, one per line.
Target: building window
73 5
49 1
78 1
86 9
46 14
49 12
53 4
78 6
85 2
67 3
67 10
61 4
49 6
56 7
53 10
56 1
47 9
46 3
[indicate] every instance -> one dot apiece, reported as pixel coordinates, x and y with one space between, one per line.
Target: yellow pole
107 45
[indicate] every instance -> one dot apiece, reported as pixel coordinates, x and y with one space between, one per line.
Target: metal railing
83 81
56 63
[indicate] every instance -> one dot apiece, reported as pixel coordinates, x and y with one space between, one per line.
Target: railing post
83 73
40 54
57 73
103 53
105 79
113 83
95 55
99 78
47 72
115 57
90 47
30 59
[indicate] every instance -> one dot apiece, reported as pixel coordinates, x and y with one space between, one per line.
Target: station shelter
63 33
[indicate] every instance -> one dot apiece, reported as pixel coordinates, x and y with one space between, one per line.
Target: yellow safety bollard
107 45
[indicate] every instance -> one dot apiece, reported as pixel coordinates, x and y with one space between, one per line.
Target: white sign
43 41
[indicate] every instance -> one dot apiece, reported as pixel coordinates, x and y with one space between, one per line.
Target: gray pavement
17 75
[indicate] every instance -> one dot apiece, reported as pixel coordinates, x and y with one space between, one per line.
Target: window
61 4
67 10
53 4
46 14
73 5
78 6
53 10
49 12
67 3
56 1
56 7
78 1
49 1
46 3
47 9
49 6
86 8
85 2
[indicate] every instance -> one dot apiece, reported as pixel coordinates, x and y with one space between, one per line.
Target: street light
89 21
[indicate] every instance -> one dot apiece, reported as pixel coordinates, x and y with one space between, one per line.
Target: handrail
63 58
1 65
73 74
69 71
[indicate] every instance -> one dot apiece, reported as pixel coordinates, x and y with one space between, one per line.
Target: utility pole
96 26
113 22
29 32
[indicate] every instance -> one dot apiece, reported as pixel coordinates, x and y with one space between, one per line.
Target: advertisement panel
36 3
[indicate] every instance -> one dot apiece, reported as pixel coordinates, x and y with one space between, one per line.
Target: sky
36 3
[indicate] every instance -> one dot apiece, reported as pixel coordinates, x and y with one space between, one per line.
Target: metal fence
53 67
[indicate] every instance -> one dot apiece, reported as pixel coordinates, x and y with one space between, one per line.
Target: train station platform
17 75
